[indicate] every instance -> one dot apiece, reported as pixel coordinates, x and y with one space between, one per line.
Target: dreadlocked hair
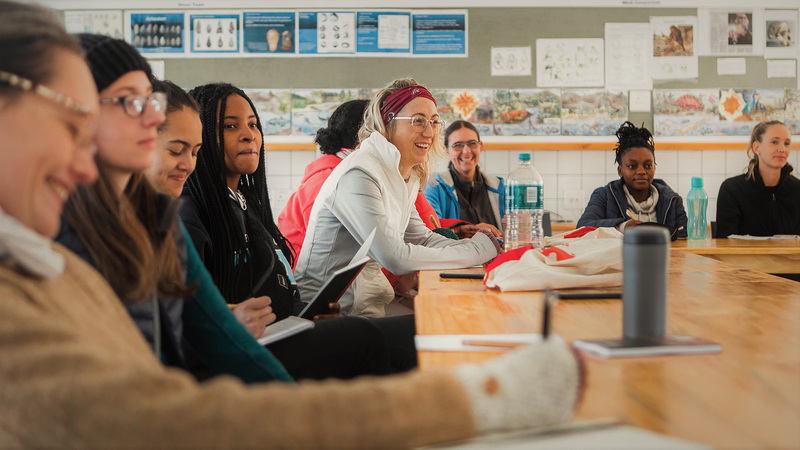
130 239
208 188
630 136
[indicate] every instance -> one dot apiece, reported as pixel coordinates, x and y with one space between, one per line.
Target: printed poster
569 62
527 112
108 23
383 33
327 33
214 32
440 33
628 50
511 61
673 47
156 33
269 33
311 108
792 112
782 33
592 112
274 108
730 32
686 112
472 105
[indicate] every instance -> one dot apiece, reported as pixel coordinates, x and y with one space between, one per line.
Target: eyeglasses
134 105
27 85
472 145
419 123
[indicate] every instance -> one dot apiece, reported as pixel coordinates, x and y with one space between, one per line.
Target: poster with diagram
472 105
384 33
311 108
269 33
686 112
156 33
674 55
569 62
274 108
214 32
741 109
527 112
592 112
108 23
327 33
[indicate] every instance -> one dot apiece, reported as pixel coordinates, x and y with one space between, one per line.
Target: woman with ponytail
765 200
649 199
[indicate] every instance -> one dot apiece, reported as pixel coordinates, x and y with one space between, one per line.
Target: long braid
209 189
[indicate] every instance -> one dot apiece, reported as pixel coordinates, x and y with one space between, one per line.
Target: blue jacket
441 194
608 204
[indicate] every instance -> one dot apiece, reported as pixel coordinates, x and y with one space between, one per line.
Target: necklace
239 197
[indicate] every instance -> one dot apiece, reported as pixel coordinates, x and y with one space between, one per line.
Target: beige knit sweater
76 372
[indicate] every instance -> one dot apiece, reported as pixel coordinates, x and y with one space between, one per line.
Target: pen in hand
630 214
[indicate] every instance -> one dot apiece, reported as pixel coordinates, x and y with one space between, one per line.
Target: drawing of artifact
219 26
198 44
208 42
178 41
272 39
231 28
286 41
230 42
208 29
197 27
219 42
162 42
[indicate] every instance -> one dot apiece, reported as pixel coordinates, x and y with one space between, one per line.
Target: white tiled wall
565 172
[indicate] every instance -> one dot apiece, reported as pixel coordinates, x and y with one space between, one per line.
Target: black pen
546 315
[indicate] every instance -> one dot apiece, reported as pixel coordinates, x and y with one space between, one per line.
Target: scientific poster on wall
108 23
440 33
511 61
569 62
741 109
269 33
326 33
782 32
674 55
734 31
628 50
214 32
384 33
792 112
156 32
527 112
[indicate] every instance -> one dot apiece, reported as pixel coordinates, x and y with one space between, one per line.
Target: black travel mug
645 257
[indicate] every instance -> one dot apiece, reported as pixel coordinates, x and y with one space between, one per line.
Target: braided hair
630 136
343 125
208 188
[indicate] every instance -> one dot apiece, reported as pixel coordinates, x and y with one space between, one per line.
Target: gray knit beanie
109 59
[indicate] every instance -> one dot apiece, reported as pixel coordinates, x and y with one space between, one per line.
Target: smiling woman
375 189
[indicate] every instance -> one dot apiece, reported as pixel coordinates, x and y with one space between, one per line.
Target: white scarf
645 211
29 250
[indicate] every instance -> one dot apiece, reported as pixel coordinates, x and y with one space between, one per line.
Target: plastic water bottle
697 203
524 206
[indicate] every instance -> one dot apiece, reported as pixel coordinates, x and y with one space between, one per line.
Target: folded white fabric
591 260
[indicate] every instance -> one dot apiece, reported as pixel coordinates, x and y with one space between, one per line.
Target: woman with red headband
375 189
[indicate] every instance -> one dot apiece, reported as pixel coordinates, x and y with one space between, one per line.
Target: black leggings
347 347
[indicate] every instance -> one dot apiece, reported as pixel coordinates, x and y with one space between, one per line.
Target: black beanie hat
109 59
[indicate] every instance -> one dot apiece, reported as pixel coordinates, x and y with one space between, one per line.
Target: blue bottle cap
697 182
524 156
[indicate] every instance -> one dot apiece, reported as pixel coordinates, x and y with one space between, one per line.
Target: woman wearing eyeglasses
464 191
375 189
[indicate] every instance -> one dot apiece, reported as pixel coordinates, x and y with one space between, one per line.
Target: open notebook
331 292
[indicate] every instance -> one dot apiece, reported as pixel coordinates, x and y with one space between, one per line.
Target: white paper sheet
674 55
455 342
731 66
628 49
780 237
781 68
511 61
569 62
639 101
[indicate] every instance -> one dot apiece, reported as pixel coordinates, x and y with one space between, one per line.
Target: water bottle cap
524 156
697 182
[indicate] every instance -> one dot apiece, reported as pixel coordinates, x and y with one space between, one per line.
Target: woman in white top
375 189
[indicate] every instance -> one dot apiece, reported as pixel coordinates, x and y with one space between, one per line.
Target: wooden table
770 256
748 396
